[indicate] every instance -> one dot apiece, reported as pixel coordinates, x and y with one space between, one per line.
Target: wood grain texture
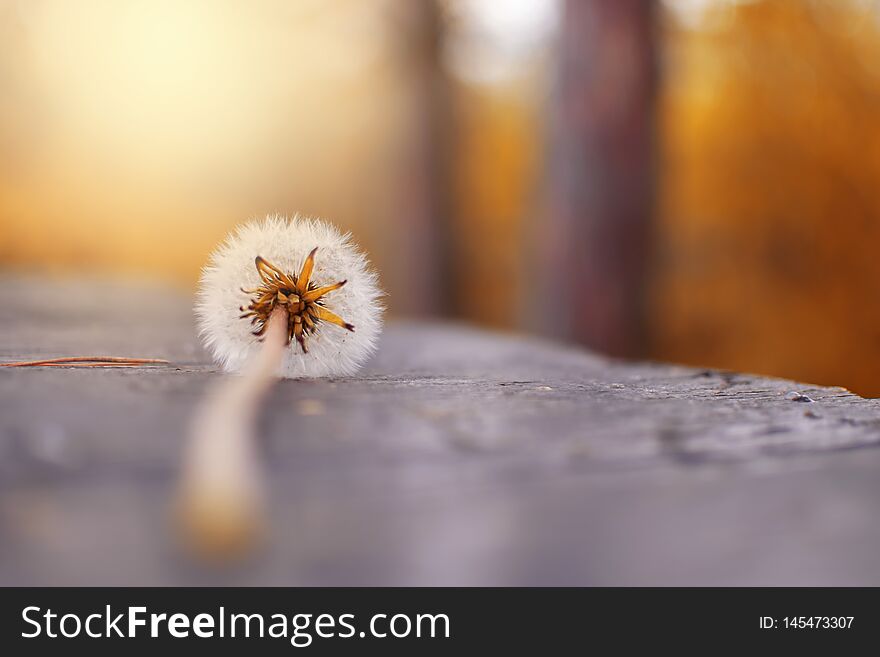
457 457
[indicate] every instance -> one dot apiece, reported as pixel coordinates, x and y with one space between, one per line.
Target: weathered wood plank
457 457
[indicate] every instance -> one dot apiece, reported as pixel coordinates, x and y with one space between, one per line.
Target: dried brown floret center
299 295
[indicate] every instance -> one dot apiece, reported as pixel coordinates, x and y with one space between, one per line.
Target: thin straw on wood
220 504
86 361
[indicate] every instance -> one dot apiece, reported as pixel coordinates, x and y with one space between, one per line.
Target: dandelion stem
221 498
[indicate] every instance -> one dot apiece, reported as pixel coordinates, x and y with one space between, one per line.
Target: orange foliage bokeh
770 204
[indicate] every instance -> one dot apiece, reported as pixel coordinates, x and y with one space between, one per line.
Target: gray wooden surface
457 457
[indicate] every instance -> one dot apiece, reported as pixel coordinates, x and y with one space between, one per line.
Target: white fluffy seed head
333 351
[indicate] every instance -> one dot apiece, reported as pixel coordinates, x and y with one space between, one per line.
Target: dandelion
280 297
306 267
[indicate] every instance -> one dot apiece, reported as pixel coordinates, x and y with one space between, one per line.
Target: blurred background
686 180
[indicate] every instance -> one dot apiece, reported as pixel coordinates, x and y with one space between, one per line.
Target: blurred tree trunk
595 242
425 183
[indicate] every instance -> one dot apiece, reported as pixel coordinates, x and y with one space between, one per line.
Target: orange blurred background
689 180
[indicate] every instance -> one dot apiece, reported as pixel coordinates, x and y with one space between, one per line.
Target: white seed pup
338 328
279 297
